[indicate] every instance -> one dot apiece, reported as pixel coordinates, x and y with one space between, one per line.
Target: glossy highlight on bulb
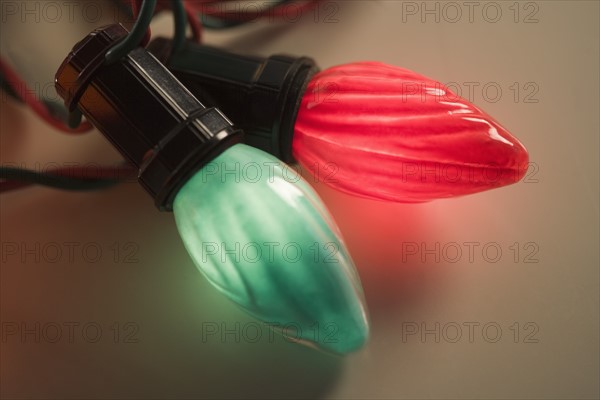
391 134
270 245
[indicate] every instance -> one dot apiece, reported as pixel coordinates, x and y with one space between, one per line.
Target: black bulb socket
261 95
147 114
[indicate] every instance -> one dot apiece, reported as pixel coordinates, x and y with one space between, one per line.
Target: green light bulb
261 235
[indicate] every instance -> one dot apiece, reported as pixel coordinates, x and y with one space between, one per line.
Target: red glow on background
387 133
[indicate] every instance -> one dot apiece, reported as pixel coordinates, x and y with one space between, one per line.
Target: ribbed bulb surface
261 235
387 133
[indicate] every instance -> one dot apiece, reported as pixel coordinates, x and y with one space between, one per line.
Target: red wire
195 24
8 186
194 21
135 9
119 173
20 88
277 11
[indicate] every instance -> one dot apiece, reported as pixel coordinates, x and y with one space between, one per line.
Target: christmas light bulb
272 247
368 129
258 233
392 134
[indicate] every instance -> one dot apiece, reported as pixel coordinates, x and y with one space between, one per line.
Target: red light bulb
368 129
387 133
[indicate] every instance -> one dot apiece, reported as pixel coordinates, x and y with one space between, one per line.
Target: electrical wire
74 179
7 88
204 13
136 35
21 90
214 19
194 22
16 87
180 18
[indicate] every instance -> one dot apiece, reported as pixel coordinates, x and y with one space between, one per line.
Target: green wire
54 181
4 85
219 24
136 35
74 119
180 17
